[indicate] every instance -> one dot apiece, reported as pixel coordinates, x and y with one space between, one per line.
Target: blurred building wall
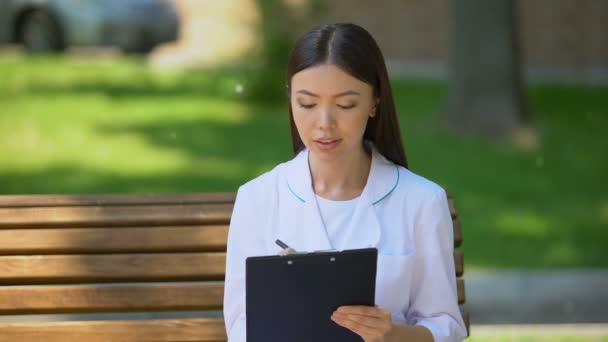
560 39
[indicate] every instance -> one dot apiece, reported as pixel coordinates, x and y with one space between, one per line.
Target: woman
349 187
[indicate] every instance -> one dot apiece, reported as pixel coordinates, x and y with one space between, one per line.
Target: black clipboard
291 298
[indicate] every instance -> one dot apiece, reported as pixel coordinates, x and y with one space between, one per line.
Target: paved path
539 296
540 330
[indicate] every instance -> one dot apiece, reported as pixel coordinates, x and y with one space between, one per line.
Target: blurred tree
485 92
268 84
282 21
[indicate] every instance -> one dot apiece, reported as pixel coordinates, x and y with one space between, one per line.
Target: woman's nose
326 118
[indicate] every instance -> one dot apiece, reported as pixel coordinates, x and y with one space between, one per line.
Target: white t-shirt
336 216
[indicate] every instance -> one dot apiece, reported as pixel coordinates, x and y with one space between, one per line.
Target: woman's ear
374 110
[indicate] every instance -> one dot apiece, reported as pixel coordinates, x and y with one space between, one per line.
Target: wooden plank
111 297
188 329
29 201
211 238
452 207
16 201
30 266
459 262
53 269
65 217
183 329
460 288
100 216
457 233
467 321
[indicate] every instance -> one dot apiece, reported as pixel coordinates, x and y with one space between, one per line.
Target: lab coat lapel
365 229
300 224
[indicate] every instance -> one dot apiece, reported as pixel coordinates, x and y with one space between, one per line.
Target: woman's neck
342 178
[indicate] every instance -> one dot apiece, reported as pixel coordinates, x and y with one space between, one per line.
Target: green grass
72 125
536 339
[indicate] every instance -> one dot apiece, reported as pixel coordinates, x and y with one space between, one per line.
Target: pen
282 244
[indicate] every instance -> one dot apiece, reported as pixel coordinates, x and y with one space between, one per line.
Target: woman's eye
307 106
347 106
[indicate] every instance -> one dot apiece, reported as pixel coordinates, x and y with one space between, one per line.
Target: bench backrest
77 254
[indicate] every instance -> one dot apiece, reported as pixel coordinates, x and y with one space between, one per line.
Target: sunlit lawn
531 338
114 126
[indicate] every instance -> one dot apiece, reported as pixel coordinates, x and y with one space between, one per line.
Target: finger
287 251
358 310
371 322
362 330
368 321
372 311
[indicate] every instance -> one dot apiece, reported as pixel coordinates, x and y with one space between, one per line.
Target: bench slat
467 321
53 269
459 262
115 240
15 201
457 232
211 238
161 330
460 288
118 297
184 329
29 201
452 206
95 216
37 269
110 298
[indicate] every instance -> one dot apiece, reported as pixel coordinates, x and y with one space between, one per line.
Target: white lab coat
403 215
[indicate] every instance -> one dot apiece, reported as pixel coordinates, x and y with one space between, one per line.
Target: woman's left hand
370 322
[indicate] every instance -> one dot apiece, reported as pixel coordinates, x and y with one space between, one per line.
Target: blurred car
53 25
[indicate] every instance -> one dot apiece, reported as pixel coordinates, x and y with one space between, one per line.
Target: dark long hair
355 51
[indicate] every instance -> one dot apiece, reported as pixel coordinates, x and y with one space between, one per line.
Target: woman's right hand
287 251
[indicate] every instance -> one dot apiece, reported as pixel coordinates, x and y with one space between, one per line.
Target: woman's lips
327 145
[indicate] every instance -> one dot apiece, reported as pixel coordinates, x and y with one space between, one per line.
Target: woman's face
330 109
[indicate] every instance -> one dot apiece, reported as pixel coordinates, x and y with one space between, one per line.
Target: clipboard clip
325 251
291 251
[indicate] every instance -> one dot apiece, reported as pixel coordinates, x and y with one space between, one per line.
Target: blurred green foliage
279 27
76 125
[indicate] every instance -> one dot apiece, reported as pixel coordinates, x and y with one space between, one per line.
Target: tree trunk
485 93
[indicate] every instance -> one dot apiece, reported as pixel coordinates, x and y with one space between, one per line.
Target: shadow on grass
250 146
226 84
260 140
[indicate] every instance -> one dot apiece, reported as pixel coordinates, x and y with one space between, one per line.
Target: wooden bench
73 254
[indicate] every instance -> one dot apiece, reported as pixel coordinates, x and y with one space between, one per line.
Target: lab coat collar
304 228
382 180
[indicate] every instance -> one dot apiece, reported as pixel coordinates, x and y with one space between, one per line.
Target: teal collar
382 181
